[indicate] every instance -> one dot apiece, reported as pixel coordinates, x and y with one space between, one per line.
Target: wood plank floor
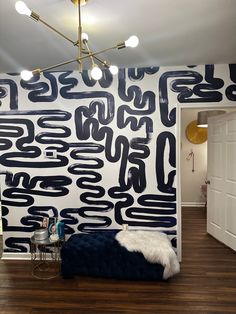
206 284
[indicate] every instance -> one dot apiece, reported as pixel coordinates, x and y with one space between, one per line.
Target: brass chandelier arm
73 60
89 52
104 50
103 62
79 37
55 30
56 65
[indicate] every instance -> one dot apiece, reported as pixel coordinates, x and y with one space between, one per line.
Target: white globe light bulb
132 42
96 73
113 69
22 8
84 36
26 75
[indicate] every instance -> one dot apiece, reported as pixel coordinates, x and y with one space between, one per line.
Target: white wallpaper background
114 143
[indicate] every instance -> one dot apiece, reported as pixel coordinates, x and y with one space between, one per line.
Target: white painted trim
16 256
192 204
23 256
178 187
0 219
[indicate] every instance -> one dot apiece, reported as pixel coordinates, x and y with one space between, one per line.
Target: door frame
179 108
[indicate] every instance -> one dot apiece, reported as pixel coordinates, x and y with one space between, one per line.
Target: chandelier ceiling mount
82 2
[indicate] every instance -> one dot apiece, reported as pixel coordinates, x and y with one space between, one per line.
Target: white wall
191 181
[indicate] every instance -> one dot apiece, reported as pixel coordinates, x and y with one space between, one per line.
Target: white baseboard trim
24 256
16 256
192 204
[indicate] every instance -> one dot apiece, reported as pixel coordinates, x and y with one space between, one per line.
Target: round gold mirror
195 134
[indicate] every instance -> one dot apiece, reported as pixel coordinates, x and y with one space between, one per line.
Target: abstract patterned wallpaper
97 154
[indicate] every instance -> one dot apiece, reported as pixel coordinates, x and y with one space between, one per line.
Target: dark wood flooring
206 284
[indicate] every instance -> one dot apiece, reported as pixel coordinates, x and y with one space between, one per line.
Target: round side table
45 257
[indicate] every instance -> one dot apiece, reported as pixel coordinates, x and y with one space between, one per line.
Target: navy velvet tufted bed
99 254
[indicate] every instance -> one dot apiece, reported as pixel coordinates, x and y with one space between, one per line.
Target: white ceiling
171 32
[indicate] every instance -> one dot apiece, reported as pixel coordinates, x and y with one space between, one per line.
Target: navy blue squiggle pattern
33 151
43 211
39 89
50 186
17 245
54 137
206 92
85 182
165 187
13 92
168 118
137 74
70 217
135 94
69 83
231 89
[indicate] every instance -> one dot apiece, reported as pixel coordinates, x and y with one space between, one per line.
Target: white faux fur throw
155 246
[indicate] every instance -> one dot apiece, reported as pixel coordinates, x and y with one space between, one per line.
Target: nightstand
45 257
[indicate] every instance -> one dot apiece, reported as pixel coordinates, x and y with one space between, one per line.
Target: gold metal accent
82 2
34 16
36 71
195 134
121 45
80 36
90 52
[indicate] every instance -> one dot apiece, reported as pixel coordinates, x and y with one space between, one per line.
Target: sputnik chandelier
83 50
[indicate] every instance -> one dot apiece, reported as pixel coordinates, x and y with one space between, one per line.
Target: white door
221 176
